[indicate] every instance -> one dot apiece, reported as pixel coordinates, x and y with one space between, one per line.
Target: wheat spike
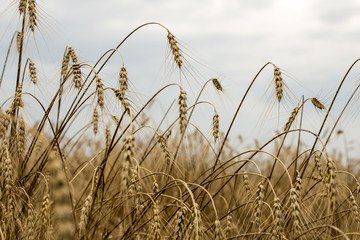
247 184
32 70
330 171
19 36
129 153
175 49
291 118
278 83
278 229
22 6
318 165
107 137
65 62
258 204
216 126
217 84
30 223
156 221
77 75
100 92
17 100
182 108
317 103
21 137
179 224
45 210
72 54
123 79
355 208
85 211
217 232
32 15
295 210
165 149
95 120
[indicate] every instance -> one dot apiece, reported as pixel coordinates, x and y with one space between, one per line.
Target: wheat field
92 166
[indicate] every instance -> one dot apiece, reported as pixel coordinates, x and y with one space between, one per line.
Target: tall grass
171 184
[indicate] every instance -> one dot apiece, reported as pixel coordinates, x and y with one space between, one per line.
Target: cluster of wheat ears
171 184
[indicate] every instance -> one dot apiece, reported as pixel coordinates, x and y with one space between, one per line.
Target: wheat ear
278 83
175 49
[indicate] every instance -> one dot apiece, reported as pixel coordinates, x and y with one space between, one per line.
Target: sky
312 42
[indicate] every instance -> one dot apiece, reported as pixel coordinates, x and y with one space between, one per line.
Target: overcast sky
313 42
